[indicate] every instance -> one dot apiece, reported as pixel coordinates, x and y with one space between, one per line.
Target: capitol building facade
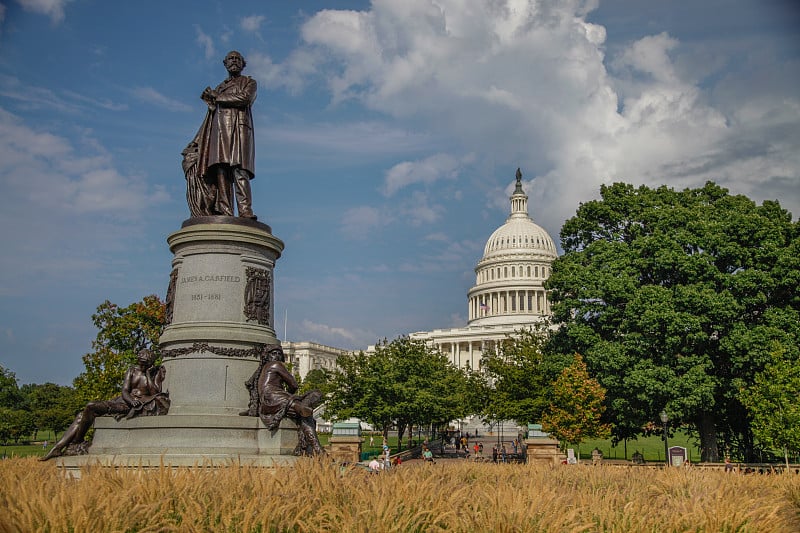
508 295
509 292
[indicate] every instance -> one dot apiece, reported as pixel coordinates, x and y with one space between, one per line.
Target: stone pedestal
220 311
544 450
345 449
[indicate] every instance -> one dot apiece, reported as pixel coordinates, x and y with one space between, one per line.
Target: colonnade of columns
509 302
462 353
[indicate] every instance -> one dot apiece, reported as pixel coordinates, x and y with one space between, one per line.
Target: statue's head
146 357
276 353
272 352
234 62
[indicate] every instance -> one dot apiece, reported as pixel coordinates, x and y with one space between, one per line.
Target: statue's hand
209 96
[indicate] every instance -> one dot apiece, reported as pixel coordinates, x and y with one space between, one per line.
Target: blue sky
388 134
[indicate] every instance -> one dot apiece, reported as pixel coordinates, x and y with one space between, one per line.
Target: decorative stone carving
204 347
170 303
257 295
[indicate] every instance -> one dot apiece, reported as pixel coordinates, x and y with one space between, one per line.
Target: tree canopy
673 297
773 402
521 376
123 331
403 383
576 407
10 394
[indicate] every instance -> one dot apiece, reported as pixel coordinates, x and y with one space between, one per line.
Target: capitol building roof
509 285
509 292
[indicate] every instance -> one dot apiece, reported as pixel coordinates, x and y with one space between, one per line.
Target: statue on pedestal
272 398
141 396
221 157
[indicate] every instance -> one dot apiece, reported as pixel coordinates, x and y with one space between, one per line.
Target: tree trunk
748 445
401 429
709 451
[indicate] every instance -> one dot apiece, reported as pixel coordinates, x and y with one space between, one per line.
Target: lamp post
665 420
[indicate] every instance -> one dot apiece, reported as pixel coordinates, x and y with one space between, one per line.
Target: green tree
773 403
521 376
319 379
15 424
402 383
576 408
53 406
10 394
672 298
123 331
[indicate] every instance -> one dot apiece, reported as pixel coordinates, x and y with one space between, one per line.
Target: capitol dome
509 286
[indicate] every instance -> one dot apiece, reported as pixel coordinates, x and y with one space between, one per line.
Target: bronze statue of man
221 157
141 395
276 388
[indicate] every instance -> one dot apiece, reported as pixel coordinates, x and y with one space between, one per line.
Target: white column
471 357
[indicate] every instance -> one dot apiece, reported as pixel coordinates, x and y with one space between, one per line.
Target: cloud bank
529 84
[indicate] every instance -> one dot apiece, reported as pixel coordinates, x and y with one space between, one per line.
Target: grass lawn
20 450
652 448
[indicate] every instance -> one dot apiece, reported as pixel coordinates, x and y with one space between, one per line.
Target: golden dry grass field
446 496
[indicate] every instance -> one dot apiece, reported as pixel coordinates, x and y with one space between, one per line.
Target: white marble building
509 289
305 356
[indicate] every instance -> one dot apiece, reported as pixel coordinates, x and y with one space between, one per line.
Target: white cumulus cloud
527 83
252 23
52 8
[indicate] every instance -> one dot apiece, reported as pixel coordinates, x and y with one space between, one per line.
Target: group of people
383 461
478 449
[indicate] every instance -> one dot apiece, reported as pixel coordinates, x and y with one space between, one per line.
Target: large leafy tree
521 376
15 424
15 420
52 406
403 383
576 408
10 394
773 402
672 298
123 331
